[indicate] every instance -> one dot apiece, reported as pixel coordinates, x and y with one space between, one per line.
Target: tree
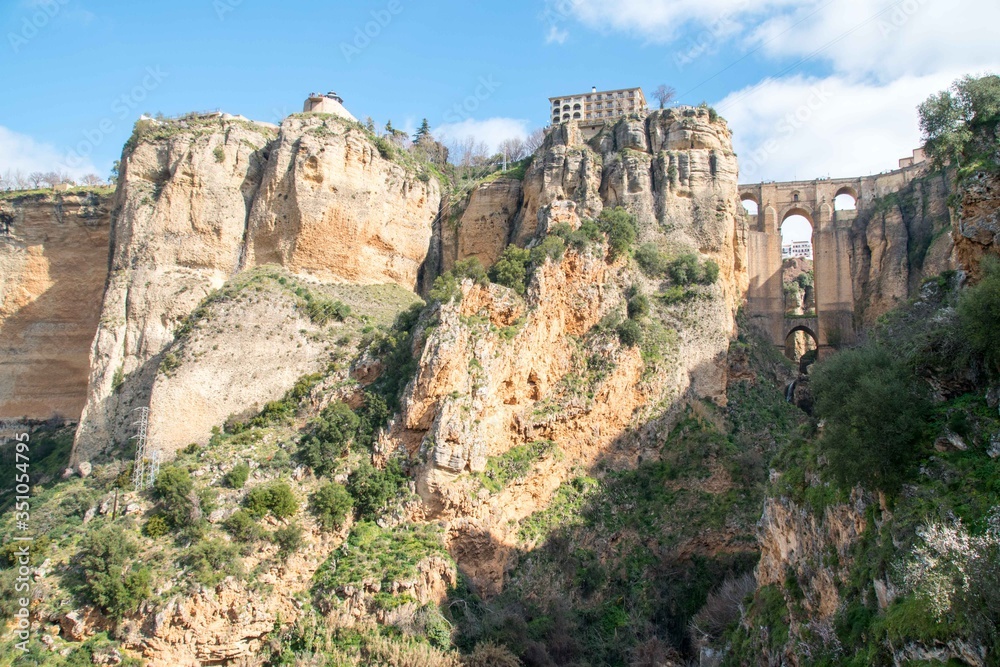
664 94
534 141
92 180
370 124
979 314
330 505
174 488
115 168
513 148
331 436
110 582
875 416
36 178
423 131
960 126
511 269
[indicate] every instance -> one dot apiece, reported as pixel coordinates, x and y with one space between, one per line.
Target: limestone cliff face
53 265
898 240
481 225
500 371
977 232
331 206
793 538
201 199
180 214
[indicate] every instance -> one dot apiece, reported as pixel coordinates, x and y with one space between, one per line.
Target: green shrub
211 561
445 289
552 247
471 269
651 261
219 153
331 504
374 490
175 490
630 333
237 477
321 310
156 526
330 437
621 230
511 270
288 539
578 239
979 314
110 581
243 527
874 417
276 498
513 464
638 306
710 272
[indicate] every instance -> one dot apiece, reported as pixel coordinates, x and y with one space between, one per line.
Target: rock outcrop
899 240
480 227
180 215
499 371
53 266
332 206
977 232
201 199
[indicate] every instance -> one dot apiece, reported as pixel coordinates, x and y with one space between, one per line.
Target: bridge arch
845 199
801 345
750 203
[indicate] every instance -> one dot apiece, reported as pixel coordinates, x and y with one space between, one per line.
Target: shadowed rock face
53 265
978 228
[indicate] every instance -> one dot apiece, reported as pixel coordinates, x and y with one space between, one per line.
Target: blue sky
811 88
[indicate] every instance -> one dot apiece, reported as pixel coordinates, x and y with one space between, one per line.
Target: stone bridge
833 323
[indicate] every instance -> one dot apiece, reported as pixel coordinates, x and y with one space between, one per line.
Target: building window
576 114
565 116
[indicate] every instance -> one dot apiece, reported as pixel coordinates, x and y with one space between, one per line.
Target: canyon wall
53 266
202 198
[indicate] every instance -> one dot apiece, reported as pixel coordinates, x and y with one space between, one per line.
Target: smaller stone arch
845 199
801 345
750 203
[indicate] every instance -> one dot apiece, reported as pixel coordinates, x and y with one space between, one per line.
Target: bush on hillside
979 314
276 498
511 270
237 477
175 490
330 437
875 416
110 580
330 505
374 490
630 333
621 230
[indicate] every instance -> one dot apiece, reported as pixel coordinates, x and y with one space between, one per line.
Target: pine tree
370 124
423 131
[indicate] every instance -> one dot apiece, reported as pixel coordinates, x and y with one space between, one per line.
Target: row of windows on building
597 105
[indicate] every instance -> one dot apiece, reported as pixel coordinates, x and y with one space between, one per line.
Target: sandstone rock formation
481 225
977 232
53 265
180 215
899 240
332 206
203 198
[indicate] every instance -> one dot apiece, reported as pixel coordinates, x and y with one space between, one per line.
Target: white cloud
885 57
490 131
886 39
20 152
804 127
556 36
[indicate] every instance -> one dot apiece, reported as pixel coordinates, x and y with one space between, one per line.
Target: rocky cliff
978 229
53 266
898 240
203 198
